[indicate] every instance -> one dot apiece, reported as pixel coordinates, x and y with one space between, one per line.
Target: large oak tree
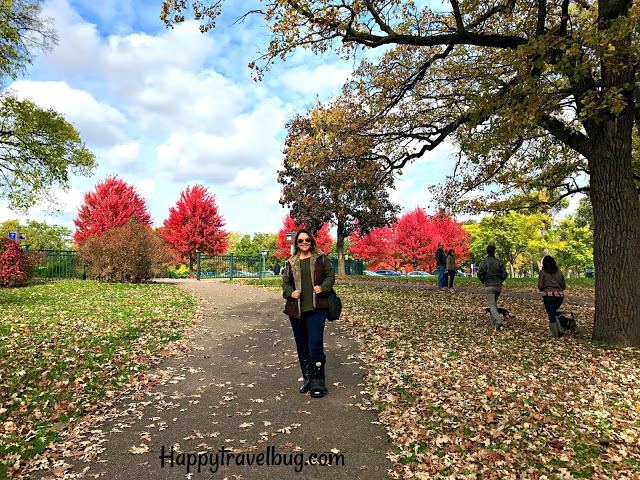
328 178
540 91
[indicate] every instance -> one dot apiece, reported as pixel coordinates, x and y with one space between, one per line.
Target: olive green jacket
321 274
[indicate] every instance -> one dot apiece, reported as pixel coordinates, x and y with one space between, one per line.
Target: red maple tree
377 247
195 224
322 236
112 203
413 240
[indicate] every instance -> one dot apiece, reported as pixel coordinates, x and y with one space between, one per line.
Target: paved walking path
238 388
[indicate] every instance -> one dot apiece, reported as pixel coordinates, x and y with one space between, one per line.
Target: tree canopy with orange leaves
534 94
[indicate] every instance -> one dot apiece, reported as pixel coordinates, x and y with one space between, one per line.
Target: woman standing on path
451 266
306 283
552 285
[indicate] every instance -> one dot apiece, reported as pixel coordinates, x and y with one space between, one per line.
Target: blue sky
167 108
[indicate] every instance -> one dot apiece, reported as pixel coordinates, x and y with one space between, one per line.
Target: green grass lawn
65 346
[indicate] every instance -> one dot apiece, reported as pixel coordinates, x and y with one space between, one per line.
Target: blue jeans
442 276
551 305
308 332
492 294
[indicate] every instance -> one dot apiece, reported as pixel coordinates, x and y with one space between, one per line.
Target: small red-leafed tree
195 224
15 266
112 203
417 236
322 236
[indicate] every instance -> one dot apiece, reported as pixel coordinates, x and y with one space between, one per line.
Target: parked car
419 273
267 272
462 274
370 273
388 273
240 273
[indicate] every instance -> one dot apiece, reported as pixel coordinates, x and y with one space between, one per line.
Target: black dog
567 321
502 311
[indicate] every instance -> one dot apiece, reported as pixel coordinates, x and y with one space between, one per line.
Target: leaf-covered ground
64 346
461 400
580 287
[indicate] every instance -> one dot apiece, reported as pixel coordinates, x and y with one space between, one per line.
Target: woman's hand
295 294
317 289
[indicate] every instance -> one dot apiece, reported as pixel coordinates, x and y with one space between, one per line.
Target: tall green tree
38 148
533 93
40 235
329 176
252 247
517 238
22 30
573 246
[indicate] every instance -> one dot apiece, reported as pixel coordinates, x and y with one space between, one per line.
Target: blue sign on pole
12 235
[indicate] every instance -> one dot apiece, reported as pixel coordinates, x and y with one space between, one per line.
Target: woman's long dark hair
549 265
295 240
450 252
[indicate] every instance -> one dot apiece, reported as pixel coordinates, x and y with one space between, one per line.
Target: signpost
18 235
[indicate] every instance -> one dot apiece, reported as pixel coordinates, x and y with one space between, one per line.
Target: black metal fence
351 267
58 264
66 264
230 266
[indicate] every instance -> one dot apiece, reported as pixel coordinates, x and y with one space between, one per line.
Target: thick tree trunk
616 212
340 248
616 208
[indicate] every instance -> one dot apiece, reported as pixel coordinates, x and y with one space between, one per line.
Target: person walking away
306 282
492 272
451 266
441 263
276 268
552 285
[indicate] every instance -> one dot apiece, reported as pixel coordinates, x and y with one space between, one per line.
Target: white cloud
323 80
251 144
98 123
175 99
145 187
123 155
249 178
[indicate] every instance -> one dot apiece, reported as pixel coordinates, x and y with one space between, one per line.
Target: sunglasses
304 240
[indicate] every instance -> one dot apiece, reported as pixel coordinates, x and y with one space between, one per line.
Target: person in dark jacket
276 269
441 262
306 283
492 272
451 266
552 285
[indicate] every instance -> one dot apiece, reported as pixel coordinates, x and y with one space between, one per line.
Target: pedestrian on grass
451 266
552 285
276 268
306 283
441 262
492 272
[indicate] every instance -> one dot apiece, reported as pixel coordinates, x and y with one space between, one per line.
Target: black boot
304 366
318 388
